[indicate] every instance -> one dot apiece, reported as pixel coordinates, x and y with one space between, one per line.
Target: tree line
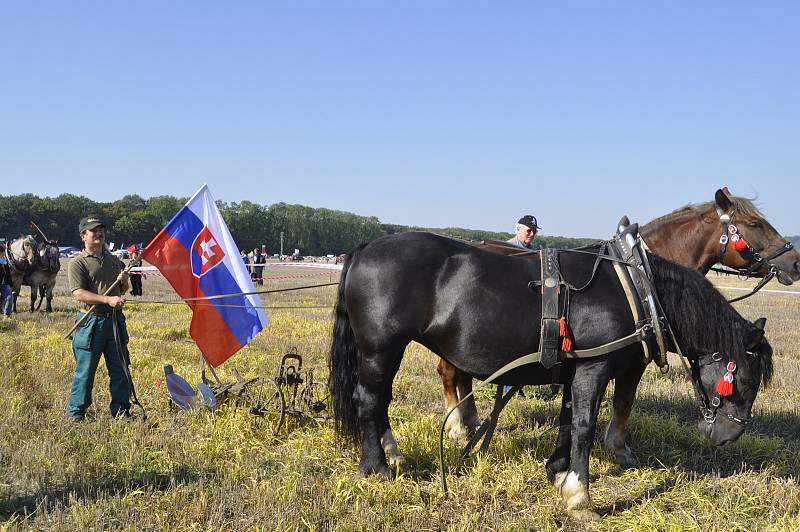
133 219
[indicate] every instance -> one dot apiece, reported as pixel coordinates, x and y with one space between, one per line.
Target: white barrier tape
312 265
337 267
788 292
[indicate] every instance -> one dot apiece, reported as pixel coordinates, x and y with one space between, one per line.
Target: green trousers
93 338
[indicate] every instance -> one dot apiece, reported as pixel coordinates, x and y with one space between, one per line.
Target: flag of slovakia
197 255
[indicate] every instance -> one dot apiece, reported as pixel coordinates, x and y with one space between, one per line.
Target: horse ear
754 336
723 198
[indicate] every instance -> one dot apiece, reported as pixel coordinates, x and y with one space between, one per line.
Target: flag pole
203 364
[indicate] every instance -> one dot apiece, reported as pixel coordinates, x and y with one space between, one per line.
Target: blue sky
423 113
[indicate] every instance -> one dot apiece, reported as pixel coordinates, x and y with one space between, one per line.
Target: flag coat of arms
197 255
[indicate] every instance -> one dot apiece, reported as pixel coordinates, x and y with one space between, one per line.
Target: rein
486 429
125 359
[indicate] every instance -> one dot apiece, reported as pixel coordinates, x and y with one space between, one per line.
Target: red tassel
566 344
566 335
725 385
740 245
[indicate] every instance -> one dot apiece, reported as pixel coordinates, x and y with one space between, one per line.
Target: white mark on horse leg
574 492
455 427
393 455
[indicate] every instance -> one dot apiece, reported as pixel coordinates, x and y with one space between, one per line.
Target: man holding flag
197 255
92 278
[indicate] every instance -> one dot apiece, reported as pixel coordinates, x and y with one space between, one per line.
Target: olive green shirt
95 274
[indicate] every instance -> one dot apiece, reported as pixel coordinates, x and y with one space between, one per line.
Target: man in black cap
525 232
90 275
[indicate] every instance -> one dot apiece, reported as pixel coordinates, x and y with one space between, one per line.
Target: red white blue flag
197 255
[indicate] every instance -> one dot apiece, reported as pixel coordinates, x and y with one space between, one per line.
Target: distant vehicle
297 257
68 251
122 253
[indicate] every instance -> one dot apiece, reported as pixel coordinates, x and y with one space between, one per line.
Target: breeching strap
486 429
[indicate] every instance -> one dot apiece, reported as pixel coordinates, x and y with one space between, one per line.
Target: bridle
708 407
32 259
731 235
50 260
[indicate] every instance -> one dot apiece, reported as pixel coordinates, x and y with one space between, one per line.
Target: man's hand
115 302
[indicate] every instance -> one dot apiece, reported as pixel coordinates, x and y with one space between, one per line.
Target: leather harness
626 253
549 342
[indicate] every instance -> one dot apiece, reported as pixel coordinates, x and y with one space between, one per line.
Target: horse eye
753 224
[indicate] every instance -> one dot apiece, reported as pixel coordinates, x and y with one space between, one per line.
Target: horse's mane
740 205
700 315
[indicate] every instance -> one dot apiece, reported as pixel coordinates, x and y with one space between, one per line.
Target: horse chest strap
550 338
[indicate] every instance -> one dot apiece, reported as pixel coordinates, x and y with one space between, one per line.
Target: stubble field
223 471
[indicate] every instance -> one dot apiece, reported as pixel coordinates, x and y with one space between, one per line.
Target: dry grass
223 471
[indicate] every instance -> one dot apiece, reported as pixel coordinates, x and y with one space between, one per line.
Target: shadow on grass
784 425
46 499
662 432
650 493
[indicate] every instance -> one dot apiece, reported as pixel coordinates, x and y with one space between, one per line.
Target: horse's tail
343 363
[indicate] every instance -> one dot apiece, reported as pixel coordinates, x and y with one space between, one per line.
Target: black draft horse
476 310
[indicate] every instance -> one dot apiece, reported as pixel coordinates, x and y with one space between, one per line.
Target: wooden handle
86 315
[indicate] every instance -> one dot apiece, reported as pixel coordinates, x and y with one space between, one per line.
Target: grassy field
221 471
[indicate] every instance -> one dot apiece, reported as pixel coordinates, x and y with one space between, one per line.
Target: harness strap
626 244
502 399
549 339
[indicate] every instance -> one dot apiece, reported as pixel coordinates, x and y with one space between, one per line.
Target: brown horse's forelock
740 206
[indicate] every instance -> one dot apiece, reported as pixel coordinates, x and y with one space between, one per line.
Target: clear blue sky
427 113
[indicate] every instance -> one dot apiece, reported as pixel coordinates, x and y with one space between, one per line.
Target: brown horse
690 236
35 265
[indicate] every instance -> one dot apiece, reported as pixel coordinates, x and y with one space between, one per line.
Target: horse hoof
396 461
584 516
459 434
626 459
382 472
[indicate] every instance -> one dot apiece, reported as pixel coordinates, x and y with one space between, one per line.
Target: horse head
728 384
49 256
23 253
749 242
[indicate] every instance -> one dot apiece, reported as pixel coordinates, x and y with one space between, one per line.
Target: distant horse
35 265
476 310
690 236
